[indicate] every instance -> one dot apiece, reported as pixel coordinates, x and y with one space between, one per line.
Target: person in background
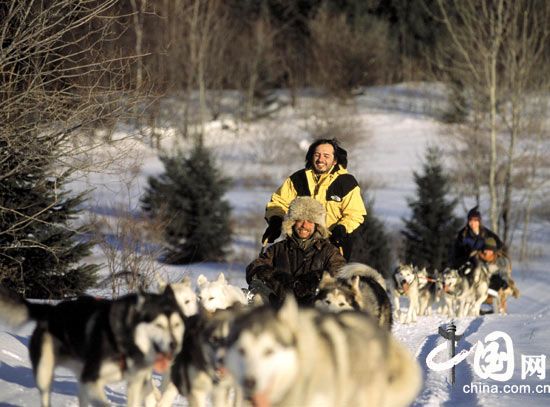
471 239
325 179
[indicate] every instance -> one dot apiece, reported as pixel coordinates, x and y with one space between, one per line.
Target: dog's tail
351 270
16 311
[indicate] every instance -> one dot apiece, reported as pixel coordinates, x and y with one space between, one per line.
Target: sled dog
218 294
188 302
500 290
404 282
309 357
464 290
359 287
429 291
185 295
101 341
198 370
501 286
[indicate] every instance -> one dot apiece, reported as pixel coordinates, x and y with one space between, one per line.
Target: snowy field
399 131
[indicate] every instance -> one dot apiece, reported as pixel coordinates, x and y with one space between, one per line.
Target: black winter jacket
286 267
467 242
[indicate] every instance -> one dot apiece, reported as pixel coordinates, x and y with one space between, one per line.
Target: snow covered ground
399 132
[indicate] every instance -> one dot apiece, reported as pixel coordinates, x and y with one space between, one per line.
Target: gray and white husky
404 282
358 287
464 290
310 357
421 287
102 341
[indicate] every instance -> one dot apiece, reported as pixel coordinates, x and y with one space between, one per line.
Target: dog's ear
288 313
169 291
186 281
201 280
221 278
257 301
355 283
356 290
123 313
161 282
325 279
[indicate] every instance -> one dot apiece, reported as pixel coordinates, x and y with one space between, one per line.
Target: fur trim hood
306 208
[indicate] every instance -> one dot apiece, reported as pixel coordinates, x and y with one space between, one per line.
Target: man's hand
273 231
305 286
337 235
281 282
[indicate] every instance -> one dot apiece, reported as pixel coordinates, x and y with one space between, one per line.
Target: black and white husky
102 341
198 371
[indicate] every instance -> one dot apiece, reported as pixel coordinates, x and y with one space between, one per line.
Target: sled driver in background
325 179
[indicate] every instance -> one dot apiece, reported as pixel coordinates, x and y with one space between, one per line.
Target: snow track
421 338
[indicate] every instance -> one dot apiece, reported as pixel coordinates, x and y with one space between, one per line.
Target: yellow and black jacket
337 190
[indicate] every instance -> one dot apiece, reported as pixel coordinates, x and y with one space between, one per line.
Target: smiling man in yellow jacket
325 179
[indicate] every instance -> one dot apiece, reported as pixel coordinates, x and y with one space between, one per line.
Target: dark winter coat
467 243
287 267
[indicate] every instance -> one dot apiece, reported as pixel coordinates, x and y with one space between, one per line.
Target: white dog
218 294
185 295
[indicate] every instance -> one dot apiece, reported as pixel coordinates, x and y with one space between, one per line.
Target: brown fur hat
306 208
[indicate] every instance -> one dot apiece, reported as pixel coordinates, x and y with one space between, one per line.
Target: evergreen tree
372 247
188 196
39 250
431 229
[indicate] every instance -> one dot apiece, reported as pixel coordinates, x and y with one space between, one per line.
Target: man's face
323 158
304 228
488 255
474 224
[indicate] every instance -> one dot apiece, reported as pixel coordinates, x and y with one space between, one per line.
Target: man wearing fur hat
326 179
296 263
471 239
